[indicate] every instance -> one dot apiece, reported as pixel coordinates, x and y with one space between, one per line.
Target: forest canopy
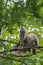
13 15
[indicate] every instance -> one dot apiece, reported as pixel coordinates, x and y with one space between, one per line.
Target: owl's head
22 33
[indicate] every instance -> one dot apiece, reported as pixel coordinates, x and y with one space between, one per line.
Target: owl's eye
22 32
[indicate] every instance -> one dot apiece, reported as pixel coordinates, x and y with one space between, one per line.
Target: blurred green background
16 13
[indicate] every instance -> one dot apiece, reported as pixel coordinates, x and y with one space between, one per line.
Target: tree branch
38 47
26 48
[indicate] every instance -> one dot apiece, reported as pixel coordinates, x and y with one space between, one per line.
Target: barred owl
28 40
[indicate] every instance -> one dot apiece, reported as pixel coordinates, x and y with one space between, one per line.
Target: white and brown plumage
27 40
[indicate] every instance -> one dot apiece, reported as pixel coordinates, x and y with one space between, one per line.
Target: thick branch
38 47
26 48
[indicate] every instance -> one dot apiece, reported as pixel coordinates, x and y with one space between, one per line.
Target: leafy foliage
16 13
